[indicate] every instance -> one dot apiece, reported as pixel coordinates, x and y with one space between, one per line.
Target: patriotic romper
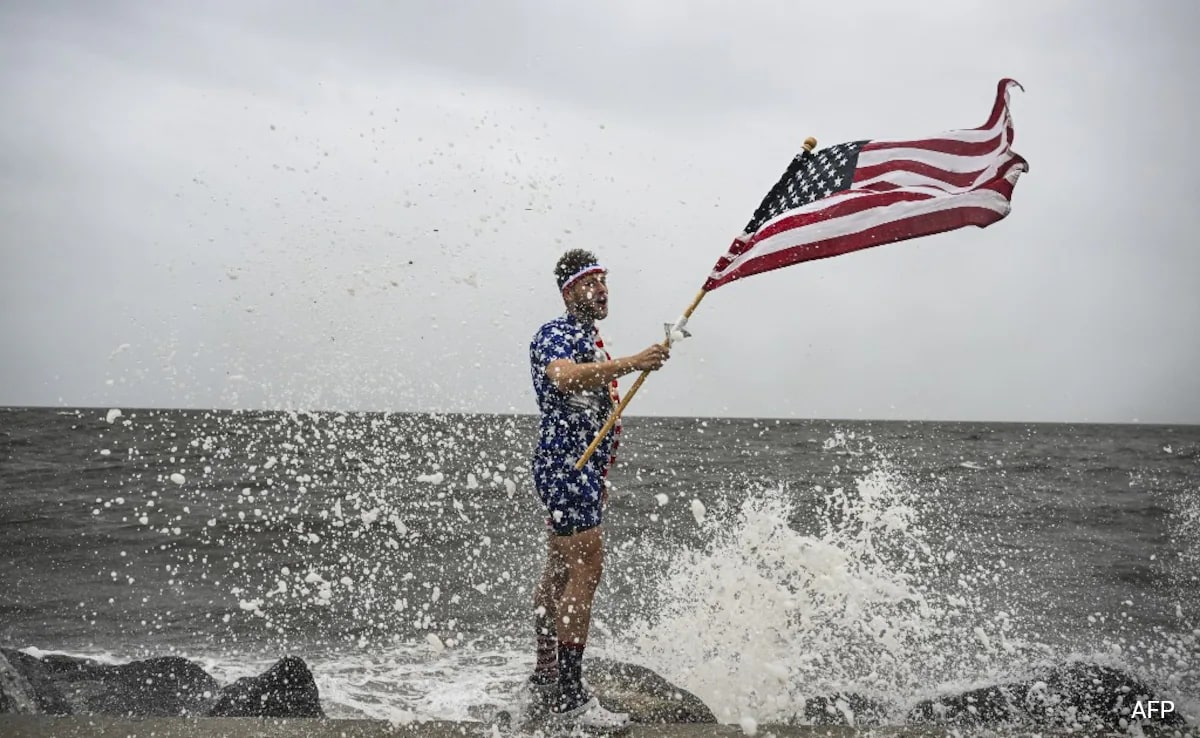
569 423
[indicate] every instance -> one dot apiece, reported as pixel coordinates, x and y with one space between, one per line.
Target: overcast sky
358 205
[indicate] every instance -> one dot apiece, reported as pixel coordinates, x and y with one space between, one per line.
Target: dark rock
16 693
47 695
1069 695
844 709
286 689
994 705
1100 694
646 696
158 687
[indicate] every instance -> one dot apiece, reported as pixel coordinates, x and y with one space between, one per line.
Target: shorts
572 497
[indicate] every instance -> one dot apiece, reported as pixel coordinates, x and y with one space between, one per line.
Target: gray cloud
218 205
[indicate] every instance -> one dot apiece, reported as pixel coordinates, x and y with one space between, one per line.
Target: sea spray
938 576
762 617
329 529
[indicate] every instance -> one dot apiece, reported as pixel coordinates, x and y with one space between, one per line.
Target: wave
762 618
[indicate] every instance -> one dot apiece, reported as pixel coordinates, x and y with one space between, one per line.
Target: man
575 382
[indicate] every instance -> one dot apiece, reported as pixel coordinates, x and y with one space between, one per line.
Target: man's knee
590 557
591 566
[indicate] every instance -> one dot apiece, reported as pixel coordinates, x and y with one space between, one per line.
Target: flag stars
809 178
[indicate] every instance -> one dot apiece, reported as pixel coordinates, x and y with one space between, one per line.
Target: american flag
867 193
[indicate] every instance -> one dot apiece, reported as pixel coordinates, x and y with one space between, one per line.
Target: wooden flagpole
810 143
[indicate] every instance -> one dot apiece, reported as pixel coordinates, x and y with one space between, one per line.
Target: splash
330 529
763 616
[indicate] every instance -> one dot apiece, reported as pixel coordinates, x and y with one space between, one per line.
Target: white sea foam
405 681
762 616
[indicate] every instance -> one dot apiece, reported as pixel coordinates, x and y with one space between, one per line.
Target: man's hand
651 358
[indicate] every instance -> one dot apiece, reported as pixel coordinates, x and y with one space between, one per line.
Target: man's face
589 296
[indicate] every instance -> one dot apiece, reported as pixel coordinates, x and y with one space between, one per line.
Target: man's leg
583 554
545 603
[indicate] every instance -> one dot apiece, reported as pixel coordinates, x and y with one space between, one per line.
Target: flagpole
810 143
612 418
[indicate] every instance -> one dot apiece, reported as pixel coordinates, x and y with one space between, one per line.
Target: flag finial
810 143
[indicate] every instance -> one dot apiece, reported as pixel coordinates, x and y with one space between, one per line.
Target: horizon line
105 408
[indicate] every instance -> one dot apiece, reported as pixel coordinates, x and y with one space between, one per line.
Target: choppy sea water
753 562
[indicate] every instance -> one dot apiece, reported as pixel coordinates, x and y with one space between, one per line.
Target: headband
583 272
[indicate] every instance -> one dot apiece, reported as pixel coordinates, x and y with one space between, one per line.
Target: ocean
754 562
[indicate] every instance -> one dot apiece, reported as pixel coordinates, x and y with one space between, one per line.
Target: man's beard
591 310
587 307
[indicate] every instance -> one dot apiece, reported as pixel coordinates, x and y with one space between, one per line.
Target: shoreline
98 726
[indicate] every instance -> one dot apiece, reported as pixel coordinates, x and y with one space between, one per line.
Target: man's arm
569 377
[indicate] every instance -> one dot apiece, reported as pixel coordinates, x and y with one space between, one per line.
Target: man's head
583 284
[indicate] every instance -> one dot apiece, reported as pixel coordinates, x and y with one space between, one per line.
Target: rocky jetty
1068 697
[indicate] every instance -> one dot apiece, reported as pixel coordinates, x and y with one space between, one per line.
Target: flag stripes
862 194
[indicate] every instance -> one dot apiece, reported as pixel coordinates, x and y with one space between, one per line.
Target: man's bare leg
583 554
545 603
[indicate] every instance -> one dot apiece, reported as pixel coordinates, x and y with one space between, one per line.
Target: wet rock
47 696
158 687
1068 696
287 689
16 693
646 696
993 705
844 709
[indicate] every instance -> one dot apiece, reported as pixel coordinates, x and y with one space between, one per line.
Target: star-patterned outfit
569 423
